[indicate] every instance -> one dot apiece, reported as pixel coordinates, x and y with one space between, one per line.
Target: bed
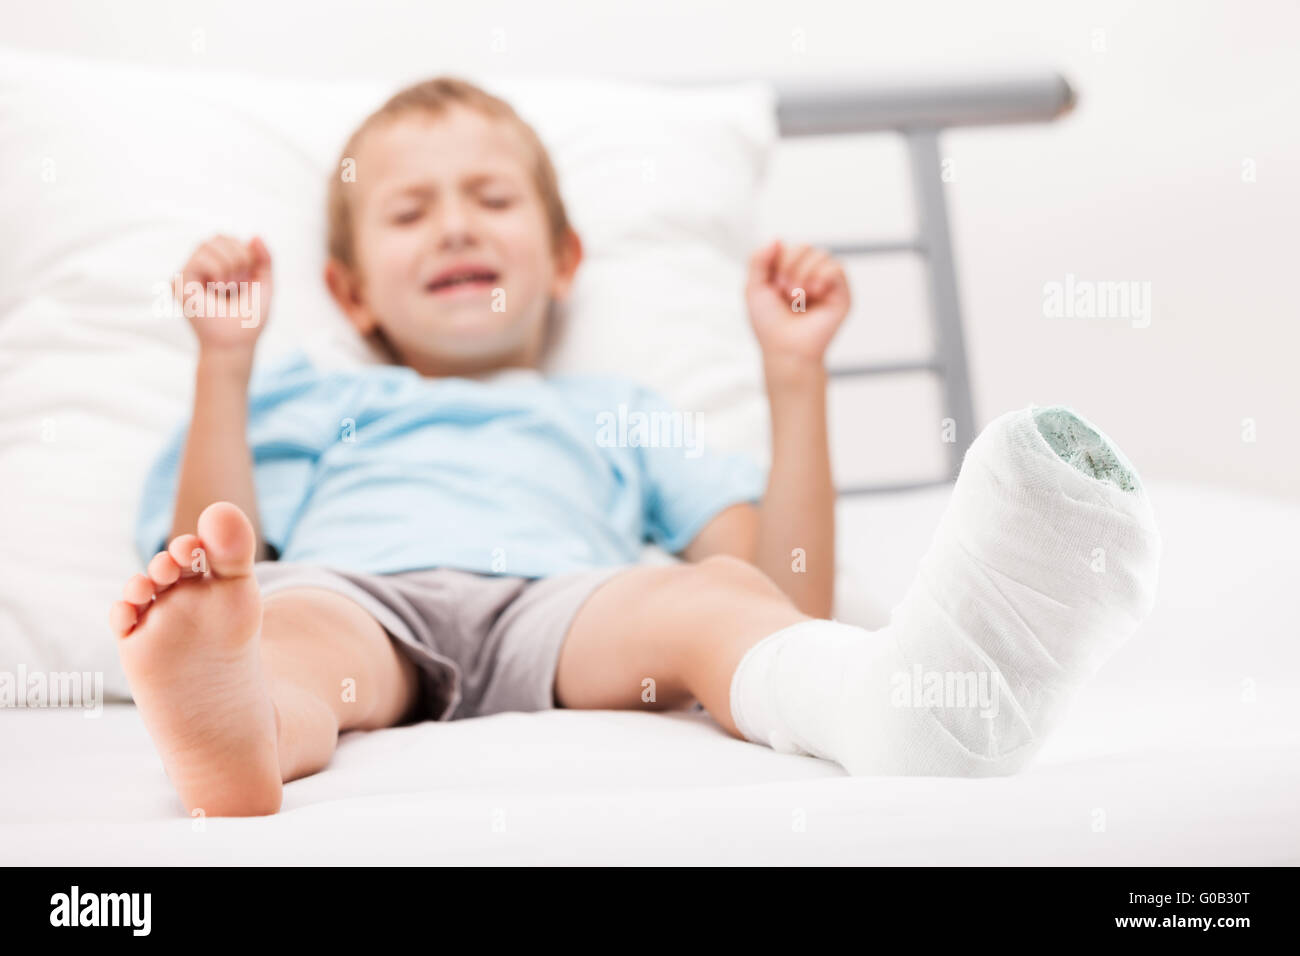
1183 751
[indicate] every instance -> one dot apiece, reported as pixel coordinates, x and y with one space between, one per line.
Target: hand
798 298
230 310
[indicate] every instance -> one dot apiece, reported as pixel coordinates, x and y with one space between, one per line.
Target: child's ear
344 284
566 264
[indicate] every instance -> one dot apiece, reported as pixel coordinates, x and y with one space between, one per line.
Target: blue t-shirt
383 470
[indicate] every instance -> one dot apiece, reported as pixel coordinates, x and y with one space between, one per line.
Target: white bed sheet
1183 751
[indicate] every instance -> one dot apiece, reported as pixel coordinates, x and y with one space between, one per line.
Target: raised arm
226 295
797 299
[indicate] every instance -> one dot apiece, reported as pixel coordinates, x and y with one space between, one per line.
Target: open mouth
461 282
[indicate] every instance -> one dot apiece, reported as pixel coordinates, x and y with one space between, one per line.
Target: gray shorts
483 643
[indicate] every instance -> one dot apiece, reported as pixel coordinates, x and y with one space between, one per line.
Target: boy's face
453 250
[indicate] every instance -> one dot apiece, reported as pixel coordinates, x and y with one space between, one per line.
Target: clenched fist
225 293
798 297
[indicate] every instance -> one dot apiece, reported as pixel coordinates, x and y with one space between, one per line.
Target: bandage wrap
1043 564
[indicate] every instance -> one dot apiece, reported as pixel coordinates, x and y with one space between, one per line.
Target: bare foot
189 639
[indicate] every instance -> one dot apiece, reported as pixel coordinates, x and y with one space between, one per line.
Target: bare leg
238 698
331 668
684 627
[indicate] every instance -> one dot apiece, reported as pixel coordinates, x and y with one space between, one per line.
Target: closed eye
406 216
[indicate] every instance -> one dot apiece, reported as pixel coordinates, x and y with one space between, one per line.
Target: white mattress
1185 750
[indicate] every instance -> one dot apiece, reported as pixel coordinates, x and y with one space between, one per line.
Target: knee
288 614
295 611
723 572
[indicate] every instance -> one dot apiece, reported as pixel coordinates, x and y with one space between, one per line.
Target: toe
188 553
121 618
163 571
138 591
229 538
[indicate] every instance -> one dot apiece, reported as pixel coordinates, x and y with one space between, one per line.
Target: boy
453 540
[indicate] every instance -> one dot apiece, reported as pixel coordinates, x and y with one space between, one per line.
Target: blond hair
434 97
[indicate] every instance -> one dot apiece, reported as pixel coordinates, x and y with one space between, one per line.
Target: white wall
1143 182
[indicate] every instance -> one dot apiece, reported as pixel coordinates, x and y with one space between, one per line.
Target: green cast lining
1081 447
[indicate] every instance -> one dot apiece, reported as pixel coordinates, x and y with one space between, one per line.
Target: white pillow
114 173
